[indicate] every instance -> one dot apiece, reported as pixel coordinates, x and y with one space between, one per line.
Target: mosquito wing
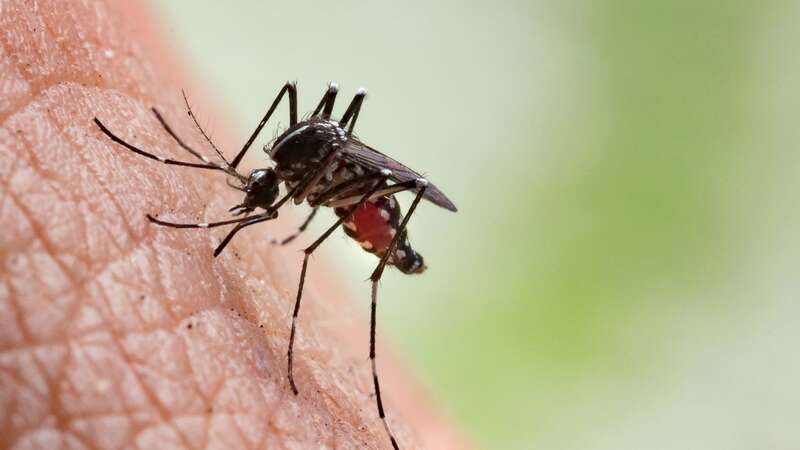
359 153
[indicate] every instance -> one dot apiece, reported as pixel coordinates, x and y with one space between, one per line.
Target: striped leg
375 278
325 105
161 159
164 223
289 87
306 254
352 111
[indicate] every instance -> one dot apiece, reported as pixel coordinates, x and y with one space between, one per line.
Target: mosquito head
261 189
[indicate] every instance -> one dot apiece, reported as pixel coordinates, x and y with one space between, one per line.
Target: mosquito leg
269 215
327 101
289 87
298 193
141 152
307 252
421 184
375 278
241 222
299 231
201 224
352 110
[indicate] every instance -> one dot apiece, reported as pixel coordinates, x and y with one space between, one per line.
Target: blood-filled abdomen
374 224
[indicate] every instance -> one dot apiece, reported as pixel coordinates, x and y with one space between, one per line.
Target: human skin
115 333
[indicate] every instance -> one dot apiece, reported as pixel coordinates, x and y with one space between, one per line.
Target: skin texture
115 333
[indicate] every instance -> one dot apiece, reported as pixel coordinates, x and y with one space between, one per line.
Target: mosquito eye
262 177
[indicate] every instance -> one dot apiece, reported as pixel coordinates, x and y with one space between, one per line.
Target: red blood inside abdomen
372 227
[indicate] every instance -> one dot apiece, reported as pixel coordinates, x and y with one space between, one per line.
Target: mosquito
319 161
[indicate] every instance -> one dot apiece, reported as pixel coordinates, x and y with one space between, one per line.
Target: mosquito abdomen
374 224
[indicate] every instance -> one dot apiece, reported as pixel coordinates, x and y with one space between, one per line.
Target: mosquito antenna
177 139
208 139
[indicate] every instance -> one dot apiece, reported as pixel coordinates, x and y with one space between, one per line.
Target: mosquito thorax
261 189
304 145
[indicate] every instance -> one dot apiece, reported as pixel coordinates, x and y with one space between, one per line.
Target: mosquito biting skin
320 162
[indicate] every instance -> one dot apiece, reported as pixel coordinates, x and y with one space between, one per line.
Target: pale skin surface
115 333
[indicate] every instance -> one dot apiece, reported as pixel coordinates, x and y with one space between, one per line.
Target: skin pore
115 333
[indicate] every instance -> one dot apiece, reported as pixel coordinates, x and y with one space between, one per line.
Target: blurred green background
622 271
